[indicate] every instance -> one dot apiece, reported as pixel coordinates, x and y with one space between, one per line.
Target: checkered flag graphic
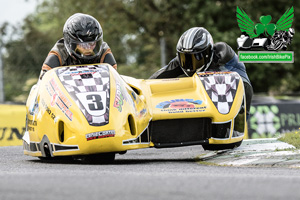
221 88
84 79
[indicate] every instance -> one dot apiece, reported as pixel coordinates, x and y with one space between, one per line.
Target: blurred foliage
133 29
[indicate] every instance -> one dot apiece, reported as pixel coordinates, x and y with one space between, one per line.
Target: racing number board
89 86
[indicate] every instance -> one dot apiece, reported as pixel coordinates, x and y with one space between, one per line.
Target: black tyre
103 158
56 159
215 147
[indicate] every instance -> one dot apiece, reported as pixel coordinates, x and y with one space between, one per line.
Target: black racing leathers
59 56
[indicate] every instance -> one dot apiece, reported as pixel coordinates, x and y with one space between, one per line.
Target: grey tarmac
173 173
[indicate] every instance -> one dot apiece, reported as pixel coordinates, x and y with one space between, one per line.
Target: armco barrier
270 117
12 124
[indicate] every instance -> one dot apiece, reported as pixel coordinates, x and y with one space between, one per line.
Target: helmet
83 38
195 50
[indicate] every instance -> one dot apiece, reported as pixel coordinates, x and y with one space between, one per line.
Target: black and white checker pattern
87 79
221 88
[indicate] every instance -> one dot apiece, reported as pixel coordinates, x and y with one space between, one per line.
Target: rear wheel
214 147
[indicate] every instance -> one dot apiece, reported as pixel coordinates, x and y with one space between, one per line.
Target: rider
82 43
196 52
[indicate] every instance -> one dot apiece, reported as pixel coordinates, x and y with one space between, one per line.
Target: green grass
292 138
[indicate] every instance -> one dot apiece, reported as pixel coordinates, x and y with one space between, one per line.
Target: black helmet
195 50
83 37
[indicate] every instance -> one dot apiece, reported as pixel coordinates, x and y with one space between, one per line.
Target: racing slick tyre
57 159
102 158
215 147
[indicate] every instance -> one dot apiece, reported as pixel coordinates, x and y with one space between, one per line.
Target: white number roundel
93 102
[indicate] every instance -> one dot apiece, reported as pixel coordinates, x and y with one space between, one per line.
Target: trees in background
134 30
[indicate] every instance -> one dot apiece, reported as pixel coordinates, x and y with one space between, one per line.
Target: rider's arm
228 59
51 61
109 58
54 58
172 70
223 53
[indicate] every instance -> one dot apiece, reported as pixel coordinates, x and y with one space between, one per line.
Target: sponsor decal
48 110
123 94
119 98
12 126
271 120
101 134
58 98
204 74
11 136
264 120
135 98
80 73
34 107
142 112
265 36
181 106
31 124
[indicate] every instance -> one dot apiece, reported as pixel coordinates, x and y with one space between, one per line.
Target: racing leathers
225 59
59 56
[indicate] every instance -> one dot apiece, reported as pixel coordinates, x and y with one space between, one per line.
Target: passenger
196 52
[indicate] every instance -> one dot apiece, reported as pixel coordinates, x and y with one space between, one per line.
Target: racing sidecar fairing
91 109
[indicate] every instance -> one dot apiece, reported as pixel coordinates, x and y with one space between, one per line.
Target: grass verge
292 138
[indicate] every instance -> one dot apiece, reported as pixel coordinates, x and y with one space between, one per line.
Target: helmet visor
192 62
86 49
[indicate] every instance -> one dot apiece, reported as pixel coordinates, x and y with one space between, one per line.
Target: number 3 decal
94 103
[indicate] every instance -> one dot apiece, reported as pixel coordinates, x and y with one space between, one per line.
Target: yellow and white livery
92 111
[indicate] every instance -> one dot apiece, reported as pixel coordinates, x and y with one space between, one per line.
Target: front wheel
56 159
215 147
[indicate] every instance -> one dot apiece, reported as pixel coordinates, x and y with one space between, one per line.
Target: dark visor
191 62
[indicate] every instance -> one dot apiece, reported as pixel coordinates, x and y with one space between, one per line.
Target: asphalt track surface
142 174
